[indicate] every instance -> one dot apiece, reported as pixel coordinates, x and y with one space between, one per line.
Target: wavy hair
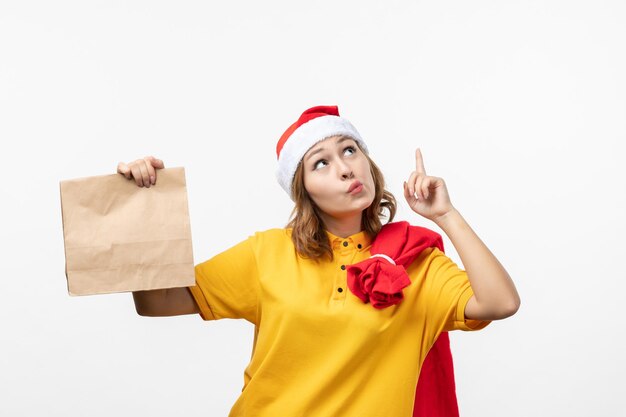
308 232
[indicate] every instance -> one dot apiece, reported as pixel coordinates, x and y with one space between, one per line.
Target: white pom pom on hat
314 125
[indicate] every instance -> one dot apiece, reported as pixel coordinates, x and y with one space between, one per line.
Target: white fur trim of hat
314 125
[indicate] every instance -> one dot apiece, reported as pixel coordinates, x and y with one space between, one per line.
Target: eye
318 162
352 150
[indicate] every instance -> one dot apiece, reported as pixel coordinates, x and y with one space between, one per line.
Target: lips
354 185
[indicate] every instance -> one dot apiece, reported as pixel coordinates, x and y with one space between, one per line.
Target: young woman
345 308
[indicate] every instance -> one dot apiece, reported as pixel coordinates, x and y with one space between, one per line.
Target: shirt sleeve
227 285
449 292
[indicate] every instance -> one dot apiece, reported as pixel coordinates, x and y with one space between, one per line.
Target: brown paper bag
120 237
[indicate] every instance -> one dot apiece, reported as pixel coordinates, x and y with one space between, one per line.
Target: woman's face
331 168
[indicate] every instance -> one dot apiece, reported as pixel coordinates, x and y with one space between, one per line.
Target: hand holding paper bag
121 238
142 170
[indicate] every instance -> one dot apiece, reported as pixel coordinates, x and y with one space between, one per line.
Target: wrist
448 218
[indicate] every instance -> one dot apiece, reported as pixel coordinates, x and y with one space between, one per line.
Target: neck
342 227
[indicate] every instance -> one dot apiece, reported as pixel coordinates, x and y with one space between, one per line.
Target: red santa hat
314 125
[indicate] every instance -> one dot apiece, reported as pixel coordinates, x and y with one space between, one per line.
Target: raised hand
427 196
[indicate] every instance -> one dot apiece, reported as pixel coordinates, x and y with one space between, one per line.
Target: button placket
344 257
340 280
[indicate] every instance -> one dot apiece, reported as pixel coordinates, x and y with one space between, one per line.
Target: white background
519 106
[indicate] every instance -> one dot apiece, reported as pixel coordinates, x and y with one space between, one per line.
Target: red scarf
380 280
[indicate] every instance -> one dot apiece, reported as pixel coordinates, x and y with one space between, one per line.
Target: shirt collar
358 241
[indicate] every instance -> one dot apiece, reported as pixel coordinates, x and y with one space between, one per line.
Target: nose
346 171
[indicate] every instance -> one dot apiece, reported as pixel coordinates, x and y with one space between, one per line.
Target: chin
349 212
370 201
365 204
355 206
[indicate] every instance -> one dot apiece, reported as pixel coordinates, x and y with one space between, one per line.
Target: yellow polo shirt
319 351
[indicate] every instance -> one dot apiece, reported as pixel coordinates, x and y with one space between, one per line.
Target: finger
157 163
145 177
416 186
136 174
407 194
426 186
411 182
151 170
123 169
419 186
419 162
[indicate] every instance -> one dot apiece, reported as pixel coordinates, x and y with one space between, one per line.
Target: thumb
123 169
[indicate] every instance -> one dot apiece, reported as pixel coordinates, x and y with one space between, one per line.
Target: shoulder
275 233
426 257
432 261
410 234
275 238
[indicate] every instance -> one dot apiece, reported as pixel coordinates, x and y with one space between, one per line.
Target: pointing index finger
419 162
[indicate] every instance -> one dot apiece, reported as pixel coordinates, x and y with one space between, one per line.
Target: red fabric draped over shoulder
380 280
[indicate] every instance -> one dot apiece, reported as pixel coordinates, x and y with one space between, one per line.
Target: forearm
146 301
165 302
493 288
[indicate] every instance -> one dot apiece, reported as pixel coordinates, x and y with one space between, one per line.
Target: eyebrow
343 139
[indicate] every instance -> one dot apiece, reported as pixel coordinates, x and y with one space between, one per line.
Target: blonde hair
308 233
